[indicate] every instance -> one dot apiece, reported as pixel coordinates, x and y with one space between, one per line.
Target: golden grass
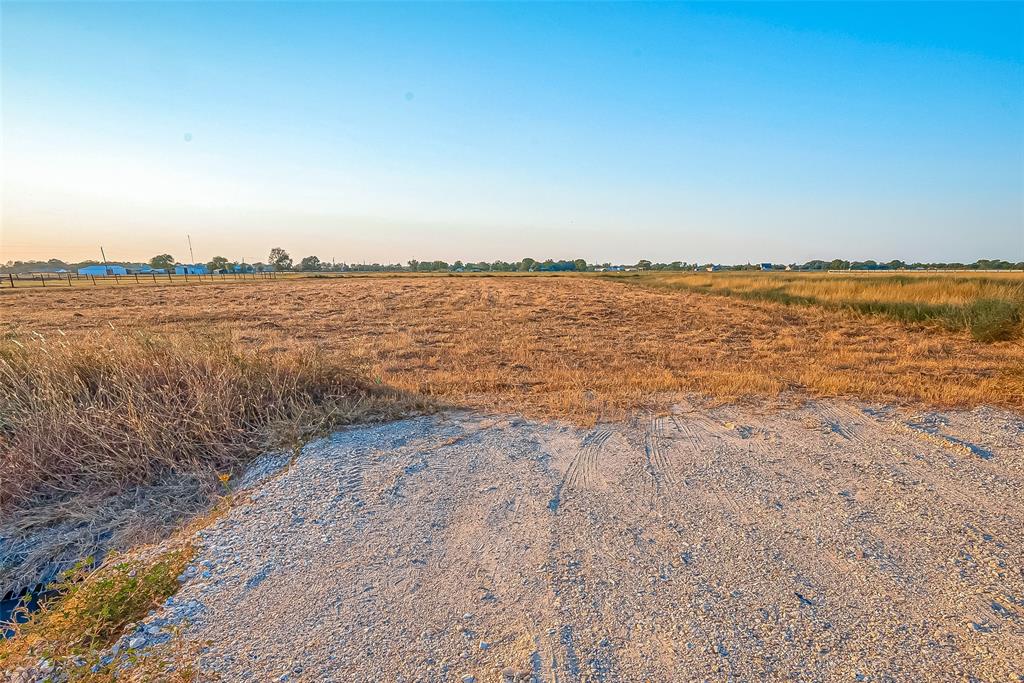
110 438
990 305
580 347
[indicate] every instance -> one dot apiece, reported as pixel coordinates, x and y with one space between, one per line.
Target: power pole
191 256
104 255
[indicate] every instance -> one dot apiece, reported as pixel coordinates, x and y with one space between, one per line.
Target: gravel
832 541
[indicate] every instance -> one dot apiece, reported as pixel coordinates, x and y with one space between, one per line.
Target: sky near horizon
611 132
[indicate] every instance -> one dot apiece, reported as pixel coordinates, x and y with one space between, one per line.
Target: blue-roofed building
190 269
102 269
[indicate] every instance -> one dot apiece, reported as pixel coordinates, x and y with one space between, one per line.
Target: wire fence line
25 280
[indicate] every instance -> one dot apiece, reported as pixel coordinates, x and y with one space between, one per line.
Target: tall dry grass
104 440
989 305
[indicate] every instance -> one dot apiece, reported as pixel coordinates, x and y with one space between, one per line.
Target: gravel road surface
830 542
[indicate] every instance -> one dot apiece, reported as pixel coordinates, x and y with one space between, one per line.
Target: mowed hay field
585 348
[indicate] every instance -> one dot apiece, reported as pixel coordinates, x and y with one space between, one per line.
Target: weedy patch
67 637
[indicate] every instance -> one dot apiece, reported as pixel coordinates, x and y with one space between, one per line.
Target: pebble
137 642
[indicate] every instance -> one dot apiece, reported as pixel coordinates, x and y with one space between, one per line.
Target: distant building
103 270
242 268
190 269
712 269
766 266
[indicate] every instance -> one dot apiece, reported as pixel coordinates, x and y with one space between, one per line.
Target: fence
13 280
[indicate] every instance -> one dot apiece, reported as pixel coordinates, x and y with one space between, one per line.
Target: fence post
136 278
93 279
11 276
154 276
42 278
168 276
69 279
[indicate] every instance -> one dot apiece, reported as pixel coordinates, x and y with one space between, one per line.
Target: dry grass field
583 348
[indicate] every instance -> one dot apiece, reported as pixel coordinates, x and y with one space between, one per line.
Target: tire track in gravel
657 462
582 469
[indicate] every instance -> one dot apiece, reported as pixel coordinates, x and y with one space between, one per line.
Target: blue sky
383 132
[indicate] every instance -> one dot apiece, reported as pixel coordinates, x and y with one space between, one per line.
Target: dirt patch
835 541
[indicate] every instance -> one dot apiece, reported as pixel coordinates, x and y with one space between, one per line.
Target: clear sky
384 132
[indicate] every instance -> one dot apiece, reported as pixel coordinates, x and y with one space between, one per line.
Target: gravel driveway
831 542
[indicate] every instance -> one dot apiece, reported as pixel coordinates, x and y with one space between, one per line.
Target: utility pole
191 256
104 255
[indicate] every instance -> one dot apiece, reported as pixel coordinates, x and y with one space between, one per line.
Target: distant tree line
279 260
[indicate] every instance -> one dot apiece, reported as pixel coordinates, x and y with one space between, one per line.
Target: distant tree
310 264
217 263
458 266
162 261
643 264
527 264
414 265
580 264
280 259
